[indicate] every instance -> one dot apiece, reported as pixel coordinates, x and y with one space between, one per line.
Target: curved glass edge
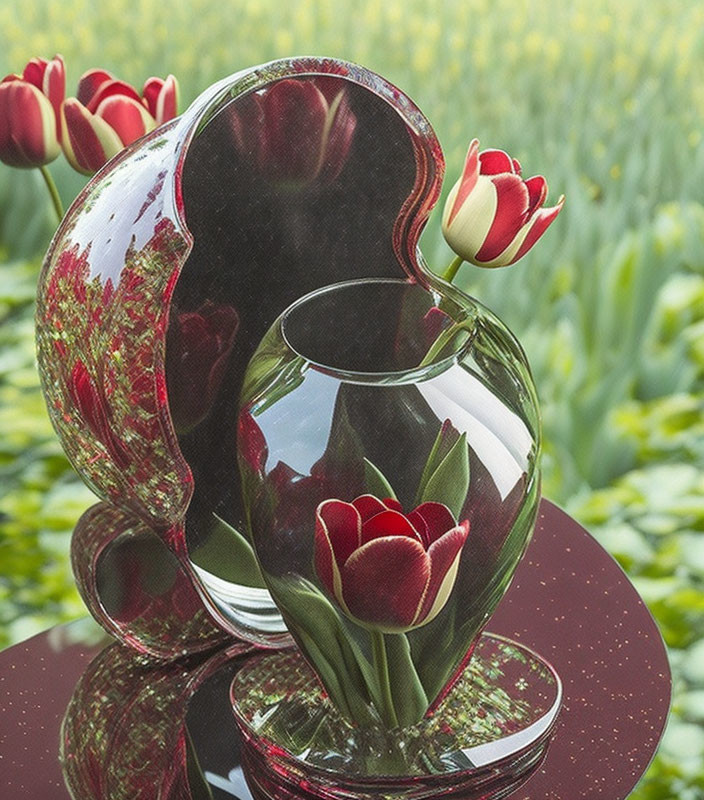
137 589
462 312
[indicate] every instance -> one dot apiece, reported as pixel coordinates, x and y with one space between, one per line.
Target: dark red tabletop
133 731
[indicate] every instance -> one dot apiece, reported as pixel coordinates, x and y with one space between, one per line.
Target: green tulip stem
444 339
381 667
453 269
53 191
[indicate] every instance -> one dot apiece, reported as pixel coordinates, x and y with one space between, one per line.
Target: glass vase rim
382 377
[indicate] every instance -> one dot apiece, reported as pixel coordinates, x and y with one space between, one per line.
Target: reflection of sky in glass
297 429
125 209
499 437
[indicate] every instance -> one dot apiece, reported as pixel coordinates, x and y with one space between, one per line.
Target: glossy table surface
133 731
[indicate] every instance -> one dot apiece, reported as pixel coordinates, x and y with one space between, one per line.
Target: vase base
484 740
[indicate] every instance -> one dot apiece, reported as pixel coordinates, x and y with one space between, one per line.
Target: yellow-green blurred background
606 99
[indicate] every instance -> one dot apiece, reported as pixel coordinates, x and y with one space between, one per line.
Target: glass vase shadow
388 440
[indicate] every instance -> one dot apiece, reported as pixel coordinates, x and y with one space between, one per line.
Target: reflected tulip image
198 346
492 216
297 131
30 129
108 114
94 409
388 571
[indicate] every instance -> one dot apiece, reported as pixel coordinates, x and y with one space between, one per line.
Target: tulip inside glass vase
388 444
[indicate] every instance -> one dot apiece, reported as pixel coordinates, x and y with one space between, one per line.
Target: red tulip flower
108 114
198 347
30 127
296 131
389 571
492 216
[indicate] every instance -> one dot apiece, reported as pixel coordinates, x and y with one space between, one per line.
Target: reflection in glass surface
287 188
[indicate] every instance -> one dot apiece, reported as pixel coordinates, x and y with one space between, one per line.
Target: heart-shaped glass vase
388 443
162 279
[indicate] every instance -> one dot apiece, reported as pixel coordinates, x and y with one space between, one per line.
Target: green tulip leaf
227 554
318 626
344 448
446 438
410 699
376 482
449 483
329 672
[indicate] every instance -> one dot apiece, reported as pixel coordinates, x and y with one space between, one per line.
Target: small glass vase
388 442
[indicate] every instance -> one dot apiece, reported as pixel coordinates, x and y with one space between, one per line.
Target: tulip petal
509 218
127 117
90 82
343 517
437 517
168 100
343 526
150 93
384 582
91 403
537 192
389 523
88 141
422 527
27 126
539 225
337 137
369 506
112 88
298 106
54 87
444 556
467 182
34 72
324 560
473 219
494 162
161 97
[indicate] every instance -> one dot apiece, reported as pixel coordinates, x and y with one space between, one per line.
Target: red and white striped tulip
108 114
30 126
387 570
492 216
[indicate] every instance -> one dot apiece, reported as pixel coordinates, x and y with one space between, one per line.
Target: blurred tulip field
606 100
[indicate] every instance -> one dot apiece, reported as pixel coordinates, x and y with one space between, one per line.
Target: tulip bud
30 128
108 114
161 97
492 216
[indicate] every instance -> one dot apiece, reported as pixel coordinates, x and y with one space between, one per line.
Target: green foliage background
607 100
